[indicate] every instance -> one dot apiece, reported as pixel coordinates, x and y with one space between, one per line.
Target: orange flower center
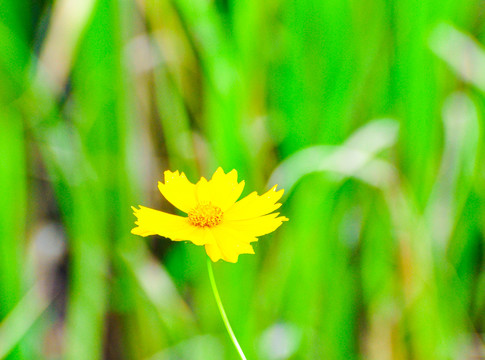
205 215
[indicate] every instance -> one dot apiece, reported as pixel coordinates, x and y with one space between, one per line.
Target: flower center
205 215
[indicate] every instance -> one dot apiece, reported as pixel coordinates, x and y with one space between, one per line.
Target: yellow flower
215 218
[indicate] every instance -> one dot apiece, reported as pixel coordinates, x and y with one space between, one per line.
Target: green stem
221 310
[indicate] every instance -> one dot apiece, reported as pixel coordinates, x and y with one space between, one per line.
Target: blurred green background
368 113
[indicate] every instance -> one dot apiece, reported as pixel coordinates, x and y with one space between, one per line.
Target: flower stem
221 310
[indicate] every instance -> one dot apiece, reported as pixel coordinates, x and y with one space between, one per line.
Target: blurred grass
383 254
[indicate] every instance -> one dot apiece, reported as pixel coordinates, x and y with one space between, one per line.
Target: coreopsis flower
215 219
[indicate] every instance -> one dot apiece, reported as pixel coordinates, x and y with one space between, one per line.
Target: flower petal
222 190
230 244
258 226
176 228
213 251
254 205
178 190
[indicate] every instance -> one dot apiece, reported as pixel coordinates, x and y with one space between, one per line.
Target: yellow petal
222 190
254 205
176 228
178 190
230 244
213 251
258 226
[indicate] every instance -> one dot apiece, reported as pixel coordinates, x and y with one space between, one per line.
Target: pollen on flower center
205 215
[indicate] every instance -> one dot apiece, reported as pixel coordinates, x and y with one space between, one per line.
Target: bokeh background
368 113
